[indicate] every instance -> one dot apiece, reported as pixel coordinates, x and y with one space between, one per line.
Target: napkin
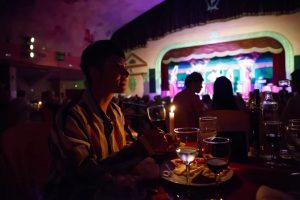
267 193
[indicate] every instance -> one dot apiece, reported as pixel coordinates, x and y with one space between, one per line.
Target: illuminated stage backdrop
246 72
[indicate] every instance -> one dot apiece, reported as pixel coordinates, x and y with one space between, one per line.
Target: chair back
26 159
235 125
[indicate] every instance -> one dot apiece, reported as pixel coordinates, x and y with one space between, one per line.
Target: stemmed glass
293 138
208 128
187 155
273 131
157 116
187 135
216 152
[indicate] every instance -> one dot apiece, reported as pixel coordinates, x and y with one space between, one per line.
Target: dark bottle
254 108
269 108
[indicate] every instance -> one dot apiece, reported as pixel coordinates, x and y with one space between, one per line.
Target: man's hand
158 141
147 169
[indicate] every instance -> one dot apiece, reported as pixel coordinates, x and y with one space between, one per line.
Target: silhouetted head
194 81
296 80
103 64
223 97
222 86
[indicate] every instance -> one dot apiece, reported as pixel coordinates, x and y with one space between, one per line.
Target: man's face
115 74
198 86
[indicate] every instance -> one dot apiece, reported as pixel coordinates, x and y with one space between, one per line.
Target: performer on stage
173 82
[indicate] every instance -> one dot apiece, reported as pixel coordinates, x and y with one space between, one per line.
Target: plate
174 171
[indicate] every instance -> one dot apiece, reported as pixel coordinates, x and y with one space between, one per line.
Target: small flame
172 108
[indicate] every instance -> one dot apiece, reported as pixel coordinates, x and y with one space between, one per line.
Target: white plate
168 175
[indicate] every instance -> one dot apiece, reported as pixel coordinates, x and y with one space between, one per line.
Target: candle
171 117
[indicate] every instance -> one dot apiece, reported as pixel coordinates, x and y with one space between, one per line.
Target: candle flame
172 108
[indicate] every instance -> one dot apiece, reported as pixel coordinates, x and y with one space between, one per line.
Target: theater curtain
174 15
278 67
164 77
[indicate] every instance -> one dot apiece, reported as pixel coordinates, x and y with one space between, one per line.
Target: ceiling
64 25
67 25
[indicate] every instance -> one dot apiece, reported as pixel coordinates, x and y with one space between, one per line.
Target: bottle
269 108
254 108
269 114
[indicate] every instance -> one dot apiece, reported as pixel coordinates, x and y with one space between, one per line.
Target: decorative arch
289 52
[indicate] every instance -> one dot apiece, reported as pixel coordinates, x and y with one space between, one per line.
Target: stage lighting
28 46
31 54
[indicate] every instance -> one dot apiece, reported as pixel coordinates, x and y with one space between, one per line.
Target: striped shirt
86 131
89 150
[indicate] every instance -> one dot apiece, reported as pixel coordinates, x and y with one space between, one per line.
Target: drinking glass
187 155
157 116
187 135
272 131
293 138
216 152
208 128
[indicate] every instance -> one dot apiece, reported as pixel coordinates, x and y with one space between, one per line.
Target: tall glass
208 128
157 116
216 152
187 155
273 133
293 138
187 136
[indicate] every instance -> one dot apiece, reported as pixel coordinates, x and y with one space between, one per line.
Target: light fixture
28 44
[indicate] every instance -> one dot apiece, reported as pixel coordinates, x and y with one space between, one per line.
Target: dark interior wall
297 62
4 82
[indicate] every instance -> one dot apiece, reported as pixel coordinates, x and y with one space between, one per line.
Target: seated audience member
223 97
19 109
4 102
207 101
88 143
50 105
189 107
292 108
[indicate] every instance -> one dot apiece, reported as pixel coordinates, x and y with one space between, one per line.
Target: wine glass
187 155
208 128
216 152
157 116
293 138
187 135
272 130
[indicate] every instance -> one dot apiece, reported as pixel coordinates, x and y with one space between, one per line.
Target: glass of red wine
216 152
157 116
272 131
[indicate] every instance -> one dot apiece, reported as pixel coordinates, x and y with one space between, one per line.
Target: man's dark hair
296 79
192 78
96 54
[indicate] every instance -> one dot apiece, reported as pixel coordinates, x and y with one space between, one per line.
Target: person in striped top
89 141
